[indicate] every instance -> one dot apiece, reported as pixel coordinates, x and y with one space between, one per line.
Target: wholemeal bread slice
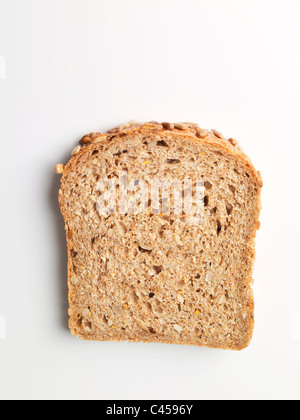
161 268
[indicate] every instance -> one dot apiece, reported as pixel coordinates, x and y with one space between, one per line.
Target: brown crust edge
185 129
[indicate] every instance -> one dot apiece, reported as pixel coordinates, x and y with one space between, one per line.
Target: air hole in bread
120 153
134 296
162 143
229 209
159 269
232 189
74 254
161 232
207 185
173 161
144 250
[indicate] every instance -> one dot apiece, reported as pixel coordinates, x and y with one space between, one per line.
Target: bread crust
188 132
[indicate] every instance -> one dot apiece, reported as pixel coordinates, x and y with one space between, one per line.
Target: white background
74 66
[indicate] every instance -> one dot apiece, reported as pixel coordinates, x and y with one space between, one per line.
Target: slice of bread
147 268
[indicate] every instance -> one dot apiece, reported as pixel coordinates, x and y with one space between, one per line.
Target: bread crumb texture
152 276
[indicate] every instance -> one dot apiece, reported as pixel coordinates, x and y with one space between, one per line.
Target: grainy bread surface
151 276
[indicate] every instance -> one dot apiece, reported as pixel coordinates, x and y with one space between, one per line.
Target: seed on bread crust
167 126
76 150
234 142
180 126
85 140
59 169
201 134
260 180
218 134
